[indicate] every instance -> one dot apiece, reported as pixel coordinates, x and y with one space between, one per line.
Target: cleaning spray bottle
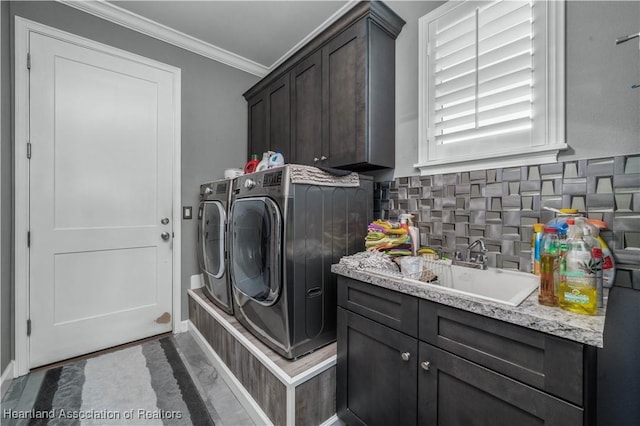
414 236
608 263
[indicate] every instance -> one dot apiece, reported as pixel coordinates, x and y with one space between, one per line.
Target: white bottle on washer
264 163
276 160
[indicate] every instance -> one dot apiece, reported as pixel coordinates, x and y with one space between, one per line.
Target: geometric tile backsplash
501 205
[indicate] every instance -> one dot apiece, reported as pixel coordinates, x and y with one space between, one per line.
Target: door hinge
29 327
28 61
28 238
29 150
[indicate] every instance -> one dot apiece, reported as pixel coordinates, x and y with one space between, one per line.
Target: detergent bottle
264 163
414 236
549 267
276 160
252 164
578 286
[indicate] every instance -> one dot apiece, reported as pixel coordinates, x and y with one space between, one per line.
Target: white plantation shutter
484 83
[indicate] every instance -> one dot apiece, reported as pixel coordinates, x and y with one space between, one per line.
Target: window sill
491 161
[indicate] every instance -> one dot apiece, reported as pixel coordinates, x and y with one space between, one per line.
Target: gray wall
214 119
601 108
6 293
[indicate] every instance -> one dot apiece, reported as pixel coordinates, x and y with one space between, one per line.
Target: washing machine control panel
269 182
272 179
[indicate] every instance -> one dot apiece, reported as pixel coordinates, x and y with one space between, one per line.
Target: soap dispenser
414 236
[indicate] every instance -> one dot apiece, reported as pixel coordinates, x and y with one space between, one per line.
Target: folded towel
310 175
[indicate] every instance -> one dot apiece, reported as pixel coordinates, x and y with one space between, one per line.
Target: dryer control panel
272 179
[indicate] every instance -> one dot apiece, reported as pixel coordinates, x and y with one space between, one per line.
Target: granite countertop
554 321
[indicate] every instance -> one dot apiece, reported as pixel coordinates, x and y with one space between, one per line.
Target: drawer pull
426 365
405 356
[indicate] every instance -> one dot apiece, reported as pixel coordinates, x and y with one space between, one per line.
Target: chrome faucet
480 258
479 261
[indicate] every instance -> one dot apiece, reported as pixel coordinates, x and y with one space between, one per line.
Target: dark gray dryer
283 239
213 212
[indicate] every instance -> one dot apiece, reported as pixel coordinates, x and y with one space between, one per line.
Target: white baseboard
247 401
196 281
332 421
6 378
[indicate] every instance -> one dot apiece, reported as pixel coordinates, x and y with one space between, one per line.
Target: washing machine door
212 216
255 259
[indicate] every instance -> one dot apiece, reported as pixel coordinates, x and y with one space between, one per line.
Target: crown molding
350 4
127 19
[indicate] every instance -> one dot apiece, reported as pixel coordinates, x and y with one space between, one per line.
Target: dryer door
212 217
256 232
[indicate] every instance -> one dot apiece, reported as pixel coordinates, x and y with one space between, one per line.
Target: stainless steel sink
496 285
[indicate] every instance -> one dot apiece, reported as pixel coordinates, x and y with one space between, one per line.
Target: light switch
187 212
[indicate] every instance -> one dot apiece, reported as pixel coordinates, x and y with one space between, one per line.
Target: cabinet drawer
545 362
455 392
391 308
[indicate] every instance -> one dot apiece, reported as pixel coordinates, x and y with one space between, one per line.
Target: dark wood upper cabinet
306 110
258 125
341 95
344 106
278 122
269 119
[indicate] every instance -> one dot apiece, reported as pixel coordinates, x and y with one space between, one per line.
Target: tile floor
223 405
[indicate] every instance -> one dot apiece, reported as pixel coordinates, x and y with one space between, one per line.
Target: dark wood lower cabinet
455 392
379 366
472 371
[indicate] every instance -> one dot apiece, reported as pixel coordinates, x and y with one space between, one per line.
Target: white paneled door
101 129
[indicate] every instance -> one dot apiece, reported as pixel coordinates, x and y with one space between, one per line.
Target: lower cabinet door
376 373
453 391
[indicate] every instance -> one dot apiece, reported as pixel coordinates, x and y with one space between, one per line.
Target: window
491 85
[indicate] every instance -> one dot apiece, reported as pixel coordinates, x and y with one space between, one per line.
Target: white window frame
549 113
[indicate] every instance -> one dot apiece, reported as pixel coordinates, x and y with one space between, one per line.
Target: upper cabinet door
344 78
279 115
257 125
269 120
306 111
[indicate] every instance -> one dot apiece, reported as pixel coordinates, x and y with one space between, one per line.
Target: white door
101 130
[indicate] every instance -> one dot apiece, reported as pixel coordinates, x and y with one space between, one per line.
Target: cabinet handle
405 356
426 365
316 159
324 157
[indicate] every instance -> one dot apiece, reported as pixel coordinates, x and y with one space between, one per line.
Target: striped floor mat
146 384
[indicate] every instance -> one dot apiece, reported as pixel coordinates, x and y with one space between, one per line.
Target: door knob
405 356
426 365
164 221
165 236
324 157
315 159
